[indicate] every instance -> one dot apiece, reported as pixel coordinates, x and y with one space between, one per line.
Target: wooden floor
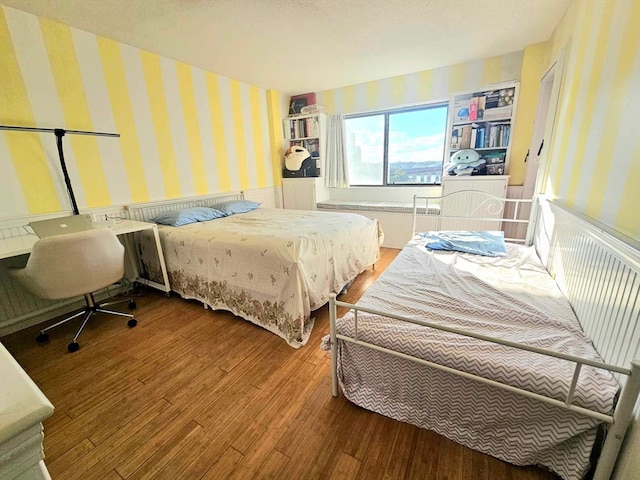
192 394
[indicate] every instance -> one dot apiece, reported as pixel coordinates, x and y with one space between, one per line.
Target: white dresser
304 193
23 408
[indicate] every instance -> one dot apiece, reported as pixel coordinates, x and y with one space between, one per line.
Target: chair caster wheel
43 337
132 323
73 347
132 305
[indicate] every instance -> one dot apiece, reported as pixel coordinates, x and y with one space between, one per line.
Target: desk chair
73 264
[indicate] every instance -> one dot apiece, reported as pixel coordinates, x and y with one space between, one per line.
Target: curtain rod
59 133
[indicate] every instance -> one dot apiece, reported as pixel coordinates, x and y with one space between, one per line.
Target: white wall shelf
308 131
483 120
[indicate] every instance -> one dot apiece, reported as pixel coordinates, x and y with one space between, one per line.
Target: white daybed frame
585 261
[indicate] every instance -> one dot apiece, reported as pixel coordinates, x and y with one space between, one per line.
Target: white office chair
73 264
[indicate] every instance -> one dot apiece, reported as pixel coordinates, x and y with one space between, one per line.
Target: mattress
512 298
269 266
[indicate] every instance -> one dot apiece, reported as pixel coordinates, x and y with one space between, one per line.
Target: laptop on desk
61 225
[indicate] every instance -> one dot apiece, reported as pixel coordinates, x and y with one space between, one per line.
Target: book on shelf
304 127
473 109
465 142
461 107
480 138
456 136
492 99
482 103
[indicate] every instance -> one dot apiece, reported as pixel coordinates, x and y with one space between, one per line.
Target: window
397 147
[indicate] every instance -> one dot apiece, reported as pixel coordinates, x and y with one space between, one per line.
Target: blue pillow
490 244
188 215
236 206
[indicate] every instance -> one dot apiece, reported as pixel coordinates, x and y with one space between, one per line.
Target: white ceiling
298 46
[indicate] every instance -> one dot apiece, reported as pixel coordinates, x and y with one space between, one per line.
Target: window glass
416 146
365 149
397 147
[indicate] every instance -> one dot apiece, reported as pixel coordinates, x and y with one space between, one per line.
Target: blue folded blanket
490 244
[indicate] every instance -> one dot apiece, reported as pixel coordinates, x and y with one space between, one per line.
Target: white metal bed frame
487 209
554 239
144 212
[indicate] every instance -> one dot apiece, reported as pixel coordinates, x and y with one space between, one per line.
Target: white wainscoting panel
599 274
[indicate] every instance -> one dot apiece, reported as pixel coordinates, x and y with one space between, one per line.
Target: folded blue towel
490 244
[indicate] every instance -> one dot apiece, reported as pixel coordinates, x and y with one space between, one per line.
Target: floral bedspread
269 266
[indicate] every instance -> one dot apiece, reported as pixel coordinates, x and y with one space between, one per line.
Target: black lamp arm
59 133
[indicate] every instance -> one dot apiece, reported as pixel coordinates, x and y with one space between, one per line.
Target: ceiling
298 46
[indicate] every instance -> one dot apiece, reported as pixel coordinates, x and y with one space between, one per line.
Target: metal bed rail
618 421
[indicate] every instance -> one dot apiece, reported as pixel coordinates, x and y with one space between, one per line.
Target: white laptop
60 225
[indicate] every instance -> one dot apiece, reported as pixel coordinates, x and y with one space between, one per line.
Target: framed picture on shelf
298 101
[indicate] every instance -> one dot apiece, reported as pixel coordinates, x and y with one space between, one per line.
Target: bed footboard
600 277
618 420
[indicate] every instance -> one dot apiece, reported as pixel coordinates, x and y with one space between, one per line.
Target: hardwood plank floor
191 394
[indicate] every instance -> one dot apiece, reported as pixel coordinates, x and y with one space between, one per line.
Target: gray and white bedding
269 266
512 298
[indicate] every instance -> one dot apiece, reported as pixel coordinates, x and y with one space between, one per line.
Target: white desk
20 245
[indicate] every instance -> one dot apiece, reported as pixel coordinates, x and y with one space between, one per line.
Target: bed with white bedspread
269 266
469 388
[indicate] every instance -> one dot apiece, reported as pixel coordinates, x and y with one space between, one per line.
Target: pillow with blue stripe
188 215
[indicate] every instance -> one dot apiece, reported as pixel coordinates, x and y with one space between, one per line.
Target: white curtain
337 171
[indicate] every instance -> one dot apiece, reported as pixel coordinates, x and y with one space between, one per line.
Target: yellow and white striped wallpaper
441 83
184 131
595 153
421 87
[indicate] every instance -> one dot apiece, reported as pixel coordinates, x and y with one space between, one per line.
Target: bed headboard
471 210
146 211
598 273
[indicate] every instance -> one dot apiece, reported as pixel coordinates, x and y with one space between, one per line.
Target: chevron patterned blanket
512 298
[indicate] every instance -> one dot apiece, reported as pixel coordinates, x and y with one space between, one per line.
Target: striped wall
421 87
594 159
595 152
441 83
184 131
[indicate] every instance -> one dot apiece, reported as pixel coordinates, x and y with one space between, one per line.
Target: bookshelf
482 120
308 131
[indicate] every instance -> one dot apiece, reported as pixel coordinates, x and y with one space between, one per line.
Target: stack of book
489 105
486 135
304 127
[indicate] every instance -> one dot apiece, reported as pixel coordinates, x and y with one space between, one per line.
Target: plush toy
466 157
298 162
463 162
294 157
